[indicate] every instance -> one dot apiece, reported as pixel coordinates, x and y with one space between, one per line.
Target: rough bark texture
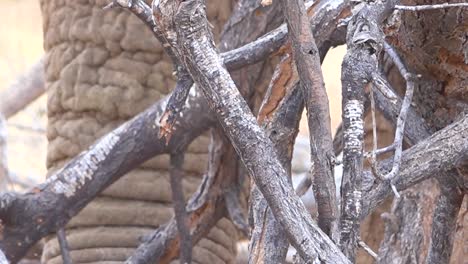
268 243
433 43
103 67
307 58
364 42
204 65
444 219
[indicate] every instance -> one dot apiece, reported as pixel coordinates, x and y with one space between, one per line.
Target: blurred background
21 46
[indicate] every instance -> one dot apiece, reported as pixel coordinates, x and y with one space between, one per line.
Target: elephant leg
102 68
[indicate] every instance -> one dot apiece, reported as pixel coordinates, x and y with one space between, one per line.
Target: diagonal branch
252 145
24 90
307 58
180 215
115 159
280 118
365 42
444 220
435 155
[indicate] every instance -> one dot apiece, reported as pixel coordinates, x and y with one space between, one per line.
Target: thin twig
399 133
32 129
62 239
368 250
177 160
430 7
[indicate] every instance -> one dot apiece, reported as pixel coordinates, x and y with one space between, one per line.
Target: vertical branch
62 239
307 59
176 175
353 136
365 42
203 62
444 220
280 118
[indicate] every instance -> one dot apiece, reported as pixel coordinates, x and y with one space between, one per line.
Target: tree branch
444 220
430 7
364 41
115 151
436 155
205 66
62 239
280 118
177 160
307 60
24 90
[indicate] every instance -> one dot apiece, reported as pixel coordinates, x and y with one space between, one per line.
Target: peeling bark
268 243
206 68
364 41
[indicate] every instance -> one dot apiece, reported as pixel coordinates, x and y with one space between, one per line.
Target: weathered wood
444 220
279 115
307 58
23 90
364 42
64 249
436 155
252 145
145 127
178 200
213 200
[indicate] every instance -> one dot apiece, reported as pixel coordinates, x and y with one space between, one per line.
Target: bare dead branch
279 115
306 55
62 239
144 127
204 209
206 68
397 144
24 90
221 180
430 7
368 250
178 200
364 42
444 220
390 108
436 155
67 191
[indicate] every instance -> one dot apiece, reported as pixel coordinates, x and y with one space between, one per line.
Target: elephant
102 68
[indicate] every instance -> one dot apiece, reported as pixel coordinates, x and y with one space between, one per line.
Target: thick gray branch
252 145
307 58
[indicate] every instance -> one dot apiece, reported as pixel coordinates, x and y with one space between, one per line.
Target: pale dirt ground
21 46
